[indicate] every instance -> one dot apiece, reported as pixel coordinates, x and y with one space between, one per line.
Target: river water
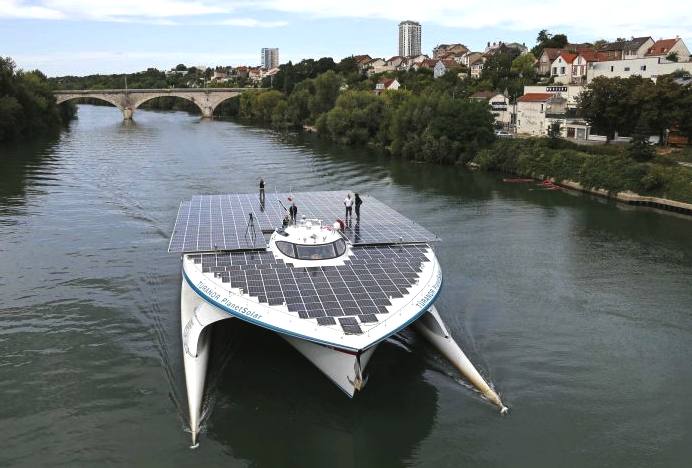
578 310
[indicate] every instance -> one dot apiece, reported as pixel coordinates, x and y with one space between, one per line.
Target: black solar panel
359 290
220 222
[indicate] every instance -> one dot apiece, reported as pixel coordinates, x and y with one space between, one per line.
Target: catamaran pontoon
334 292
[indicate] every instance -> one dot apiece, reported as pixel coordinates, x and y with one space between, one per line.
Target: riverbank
27 104
602 170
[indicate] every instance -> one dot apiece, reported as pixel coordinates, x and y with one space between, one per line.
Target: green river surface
578 310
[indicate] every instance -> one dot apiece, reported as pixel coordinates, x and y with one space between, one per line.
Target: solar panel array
354 293
221 222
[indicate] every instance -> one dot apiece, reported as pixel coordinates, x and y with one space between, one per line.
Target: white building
270 58
534 111
648 67
386 84
569 92
443 66
476 66
409 38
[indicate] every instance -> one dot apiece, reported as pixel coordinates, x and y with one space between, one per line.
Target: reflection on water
262 377
578 310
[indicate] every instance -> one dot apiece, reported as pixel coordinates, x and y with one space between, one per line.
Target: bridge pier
207 112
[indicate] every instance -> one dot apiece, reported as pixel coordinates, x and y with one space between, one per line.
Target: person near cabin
358 202
348 203
293 211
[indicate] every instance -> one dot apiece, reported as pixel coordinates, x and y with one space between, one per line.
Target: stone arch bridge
127 100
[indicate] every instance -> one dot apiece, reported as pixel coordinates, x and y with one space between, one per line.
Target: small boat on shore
333 291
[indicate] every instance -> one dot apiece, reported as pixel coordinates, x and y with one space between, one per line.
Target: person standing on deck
261 190
348 203
359 201
293 211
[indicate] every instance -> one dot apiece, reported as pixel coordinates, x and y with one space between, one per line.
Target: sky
79 37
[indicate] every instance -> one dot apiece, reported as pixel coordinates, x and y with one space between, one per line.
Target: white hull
431 326
195 316
346 370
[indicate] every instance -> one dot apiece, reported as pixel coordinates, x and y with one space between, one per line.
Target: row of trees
27 105
635 106
432 124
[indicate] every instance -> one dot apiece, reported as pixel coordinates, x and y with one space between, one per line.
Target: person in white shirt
348 203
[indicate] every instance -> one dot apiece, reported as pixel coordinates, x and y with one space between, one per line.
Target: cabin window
627 68
340 246
643 68
316 252
286 248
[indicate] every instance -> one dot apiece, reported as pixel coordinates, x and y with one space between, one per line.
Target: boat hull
345 369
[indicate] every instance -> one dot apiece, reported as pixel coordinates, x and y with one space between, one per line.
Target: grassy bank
598 167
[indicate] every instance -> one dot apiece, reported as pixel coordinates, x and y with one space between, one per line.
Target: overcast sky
79 37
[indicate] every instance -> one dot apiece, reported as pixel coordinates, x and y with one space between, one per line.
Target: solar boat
333 290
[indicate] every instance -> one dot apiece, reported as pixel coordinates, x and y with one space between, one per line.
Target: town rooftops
482 95
568 57
593 56
662 47
362 58
632 44
536 97
387 82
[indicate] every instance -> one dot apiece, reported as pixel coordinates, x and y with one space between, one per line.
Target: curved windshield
286 248
312 252
340 246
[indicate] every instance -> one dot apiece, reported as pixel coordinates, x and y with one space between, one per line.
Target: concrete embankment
632 198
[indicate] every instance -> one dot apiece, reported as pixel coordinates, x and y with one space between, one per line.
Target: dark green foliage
545 39
610 169
27 104
639 148
554 130
619 105
672 57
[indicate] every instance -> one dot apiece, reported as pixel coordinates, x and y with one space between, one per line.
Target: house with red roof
561 68
386 84
664 47
534 109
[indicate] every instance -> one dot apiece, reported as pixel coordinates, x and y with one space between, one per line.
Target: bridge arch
149 97
59 99
223 99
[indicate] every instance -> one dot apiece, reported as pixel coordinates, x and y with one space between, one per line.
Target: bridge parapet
206 99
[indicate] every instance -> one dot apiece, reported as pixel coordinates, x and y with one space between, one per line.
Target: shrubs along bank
430 126
27 105
611 168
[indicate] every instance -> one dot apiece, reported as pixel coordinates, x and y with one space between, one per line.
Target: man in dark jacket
359 201
293 211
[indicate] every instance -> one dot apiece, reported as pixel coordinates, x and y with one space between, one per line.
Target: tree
543 36
601 104
180 67
672 57
326 91
27 104
546 39
639 147
554 130
524 66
